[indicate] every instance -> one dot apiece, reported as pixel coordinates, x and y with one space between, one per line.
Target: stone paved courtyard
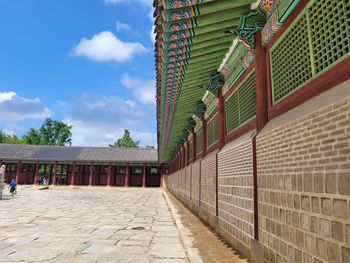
84 224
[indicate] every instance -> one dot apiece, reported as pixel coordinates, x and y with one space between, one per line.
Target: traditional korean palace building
93 166
253 110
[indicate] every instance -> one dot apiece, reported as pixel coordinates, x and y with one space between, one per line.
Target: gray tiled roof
11 152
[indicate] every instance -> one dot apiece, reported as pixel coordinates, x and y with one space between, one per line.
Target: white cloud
100 120
4 96
11 128
131 103
144 90
123 27
15 108
106 47
120 26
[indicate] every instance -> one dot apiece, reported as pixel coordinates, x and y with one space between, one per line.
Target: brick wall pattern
208 183
235 191
304 187
188 170
195 183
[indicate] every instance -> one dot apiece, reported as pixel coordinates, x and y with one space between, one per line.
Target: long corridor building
57 165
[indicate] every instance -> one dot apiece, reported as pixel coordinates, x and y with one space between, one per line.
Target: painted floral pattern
182 14
182 3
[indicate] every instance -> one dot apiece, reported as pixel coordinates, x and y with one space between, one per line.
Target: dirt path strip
201 244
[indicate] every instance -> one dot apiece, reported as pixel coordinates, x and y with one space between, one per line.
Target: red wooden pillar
204 137
180 159
109 174
53 182
184 155
126 184
36 173
97 175
83 175
144 172
261 76
115 174
221 121
18 171
73 175
194 146
177 162
188 153
91 174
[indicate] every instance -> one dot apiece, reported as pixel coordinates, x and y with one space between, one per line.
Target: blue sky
89 63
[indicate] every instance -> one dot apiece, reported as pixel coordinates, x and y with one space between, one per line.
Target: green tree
55 133
149 147
126 141
32 137
14 140
2 136
50 133
8 139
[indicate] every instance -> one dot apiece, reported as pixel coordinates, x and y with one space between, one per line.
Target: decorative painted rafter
277 13
250 24
190 45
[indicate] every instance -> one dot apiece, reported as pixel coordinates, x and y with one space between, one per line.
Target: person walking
13 188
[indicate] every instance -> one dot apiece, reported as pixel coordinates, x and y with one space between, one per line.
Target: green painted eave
192 41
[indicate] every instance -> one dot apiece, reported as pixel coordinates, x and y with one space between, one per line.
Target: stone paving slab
66 224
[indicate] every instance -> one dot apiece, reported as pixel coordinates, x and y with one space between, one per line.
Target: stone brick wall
235 191
188 182
195 181
208 183
182 185
304 187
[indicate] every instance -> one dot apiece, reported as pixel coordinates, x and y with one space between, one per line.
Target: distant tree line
59 133
51 132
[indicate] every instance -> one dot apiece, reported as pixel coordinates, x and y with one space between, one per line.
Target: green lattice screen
240 106
235 64
213 130
199 138
191 150
319 38
330 32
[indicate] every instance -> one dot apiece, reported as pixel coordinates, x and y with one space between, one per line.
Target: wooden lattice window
240 107
317 39
154 170
213 130
138 170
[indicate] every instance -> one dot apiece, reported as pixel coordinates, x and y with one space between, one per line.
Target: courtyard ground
84 224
